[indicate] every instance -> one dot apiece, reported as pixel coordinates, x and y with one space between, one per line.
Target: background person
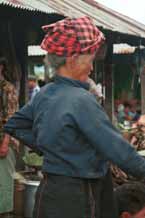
8 106
131 200
96 89
33 87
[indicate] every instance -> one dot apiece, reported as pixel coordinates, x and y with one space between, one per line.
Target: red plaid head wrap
72 36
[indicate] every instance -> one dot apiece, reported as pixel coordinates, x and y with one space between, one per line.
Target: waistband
86 185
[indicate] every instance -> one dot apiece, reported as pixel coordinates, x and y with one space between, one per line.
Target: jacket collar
71 82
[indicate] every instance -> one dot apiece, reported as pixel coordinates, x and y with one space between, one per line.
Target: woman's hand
4 146
141 120
15 144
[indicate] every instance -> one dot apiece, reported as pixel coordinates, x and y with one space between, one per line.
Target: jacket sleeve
105 138
20 125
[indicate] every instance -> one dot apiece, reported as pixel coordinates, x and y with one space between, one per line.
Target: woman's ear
126 215
71 61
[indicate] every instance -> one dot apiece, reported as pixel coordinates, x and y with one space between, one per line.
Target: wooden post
20 49
20 43
108 77
142 77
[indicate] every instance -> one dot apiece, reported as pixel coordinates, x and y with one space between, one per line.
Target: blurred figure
33 86
8 106
120 113
127 112
96 89
131 200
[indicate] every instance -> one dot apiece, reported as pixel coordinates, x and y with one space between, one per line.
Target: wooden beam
108 77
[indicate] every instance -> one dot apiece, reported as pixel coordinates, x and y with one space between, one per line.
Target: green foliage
33 159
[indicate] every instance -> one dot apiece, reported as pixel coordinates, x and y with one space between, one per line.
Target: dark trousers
67 197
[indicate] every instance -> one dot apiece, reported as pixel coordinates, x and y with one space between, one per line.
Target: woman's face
84 67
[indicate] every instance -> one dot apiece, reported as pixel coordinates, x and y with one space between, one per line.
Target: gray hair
55 61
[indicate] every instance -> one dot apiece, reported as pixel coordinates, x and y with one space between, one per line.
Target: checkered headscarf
72 36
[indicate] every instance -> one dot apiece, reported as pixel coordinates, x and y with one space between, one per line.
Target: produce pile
33 160
136 137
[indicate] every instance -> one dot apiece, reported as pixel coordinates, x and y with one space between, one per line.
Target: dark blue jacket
73 132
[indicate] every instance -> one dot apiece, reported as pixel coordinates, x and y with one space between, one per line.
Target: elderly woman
8 105
65 122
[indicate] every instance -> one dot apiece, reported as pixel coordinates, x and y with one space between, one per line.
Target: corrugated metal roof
102 16
32 5
123 48
36 50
